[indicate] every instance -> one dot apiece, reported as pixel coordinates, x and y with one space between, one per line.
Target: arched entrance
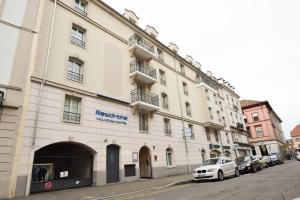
215 153
61 166
112 163
145 163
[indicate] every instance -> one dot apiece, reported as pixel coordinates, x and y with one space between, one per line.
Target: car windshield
212 161
243 159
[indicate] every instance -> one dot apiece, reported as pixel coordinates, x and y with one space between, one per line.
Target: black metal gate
61 166
112 164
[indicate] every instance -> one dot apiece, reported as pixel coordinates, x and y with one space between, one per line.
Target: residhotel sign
111 117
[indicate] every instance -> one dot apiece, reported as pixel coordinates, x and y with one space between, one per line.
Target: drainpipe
39 102
181 112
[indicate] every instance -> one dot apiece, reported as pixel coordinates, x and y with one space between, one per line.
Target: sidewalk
103 192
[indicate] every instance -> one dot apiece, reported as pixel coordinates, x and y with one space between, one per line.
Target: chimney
189 58
131 16
173 47
151 31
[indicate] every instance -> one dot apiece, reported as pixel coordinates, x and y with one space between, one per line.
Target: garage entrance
145 163
61 166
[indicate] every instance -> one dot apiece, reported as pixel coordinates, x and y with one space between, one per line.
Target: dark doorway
61 166
145 163
263 150
112 164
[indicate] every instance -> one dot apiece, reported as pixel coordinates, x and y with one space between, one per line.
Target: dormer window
160 55
132 20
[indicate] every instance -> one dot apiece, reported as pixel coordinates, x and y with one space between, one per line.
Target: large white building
101 100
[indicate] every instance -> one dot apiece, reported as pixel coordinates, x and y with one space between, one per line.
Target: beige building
92 98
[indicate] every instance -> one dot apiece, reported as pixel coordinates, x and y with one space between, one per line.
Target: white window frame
81 7
143 123
169 157
167 127
165 101
74 108
162 77
185 88
73 63
259 133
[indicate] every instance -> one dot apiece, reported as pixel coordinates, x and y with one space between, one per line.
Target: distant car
262 161
216 168
269 161
275 157
298 157
248 164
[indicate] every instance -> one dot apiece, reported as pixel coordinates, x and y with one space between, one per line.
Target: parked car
269 161
248 164
275 157
216 168
263 162
298 157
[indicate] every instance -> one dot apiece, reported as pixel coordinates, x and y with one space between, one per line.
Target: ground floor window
169 157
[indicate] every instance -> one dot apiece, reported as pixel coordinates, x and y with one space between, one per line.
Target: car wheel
254 169
237 173
220 175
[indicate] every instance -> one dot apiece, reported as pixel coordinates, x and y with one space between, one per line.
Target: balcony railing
77 42
135 39
188 113
70 116
74 76
146 97
145 69
80 10
168 132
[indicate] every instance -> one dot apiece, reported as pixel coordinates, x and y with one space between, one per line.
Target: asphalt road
279 182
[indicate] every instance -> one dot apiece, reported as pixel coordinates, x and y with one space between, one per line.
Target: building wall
296 142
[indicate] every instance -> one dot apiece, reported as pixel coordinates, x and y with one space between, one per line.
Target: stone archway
145 162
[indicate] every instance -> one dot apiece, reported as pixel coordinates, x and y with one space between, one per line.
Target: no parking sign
48 185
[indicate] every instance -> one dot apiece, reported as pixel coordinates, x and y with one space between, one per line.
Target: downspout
181 112
44 76
31 157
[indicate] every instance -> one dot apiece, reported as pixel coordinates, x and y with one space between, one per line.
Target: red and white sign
48 185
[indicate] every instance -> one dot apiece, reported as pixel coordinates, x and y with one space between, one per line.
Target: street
279 182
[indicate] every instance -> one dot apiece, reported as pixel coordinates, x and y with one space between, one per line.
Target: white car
298 157
216 168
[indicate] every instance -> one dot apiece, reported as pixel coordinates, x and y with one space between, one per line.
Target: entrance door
145 163
112 164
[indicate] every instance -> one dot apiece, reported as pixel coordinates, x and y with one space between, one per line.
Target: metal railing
74 76
167 131
144 96
80 10
165 105
135 39
188 113
77 42
70 116
145 69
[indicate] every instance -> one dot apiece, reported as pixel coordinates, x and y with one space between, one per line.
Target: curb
146 190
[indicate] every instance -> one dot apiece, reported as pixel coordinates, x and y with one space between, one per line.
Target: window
215 97
207 94
255 116
188 109
143 122
253 150
246 120
227 138
216 135
248 131
182 69
74 71
297 139
81 7
197 78
207 134
160 55
169 157
220 106
185 88
192 131
72 109
165 103
167 126
210 113
162 76
224 121
259 131
77 36
219 116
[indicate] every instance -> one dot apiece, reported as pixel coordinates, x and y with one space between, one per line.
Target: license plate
201 175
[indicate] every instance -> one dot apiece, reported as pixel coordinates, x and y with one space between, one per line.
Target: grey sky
254 44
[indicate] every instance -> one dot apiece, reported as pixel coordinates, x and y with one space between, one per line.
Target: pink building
264 128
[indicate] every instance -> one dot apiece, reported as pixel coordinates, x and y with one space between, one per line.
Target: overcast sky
254 44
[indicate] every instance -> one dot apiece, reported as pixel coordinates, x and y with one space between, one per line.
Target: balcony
141 48
74 76
142 72
77 42
143 100
71 117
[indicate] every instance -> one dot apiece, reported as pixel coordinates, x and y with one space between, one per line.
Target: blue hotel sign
111 117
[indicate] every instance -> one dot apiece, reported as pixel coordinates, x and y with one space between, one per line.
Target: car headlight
211 170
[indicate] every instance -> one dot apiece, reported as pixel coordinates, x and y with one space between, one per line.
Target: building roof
296 131
253 103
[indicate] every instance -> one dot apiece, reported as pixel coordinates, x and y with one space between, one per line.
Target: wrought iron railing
144 96
77 41
80 10
74 76
167 131
145 69
70 116
135 39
